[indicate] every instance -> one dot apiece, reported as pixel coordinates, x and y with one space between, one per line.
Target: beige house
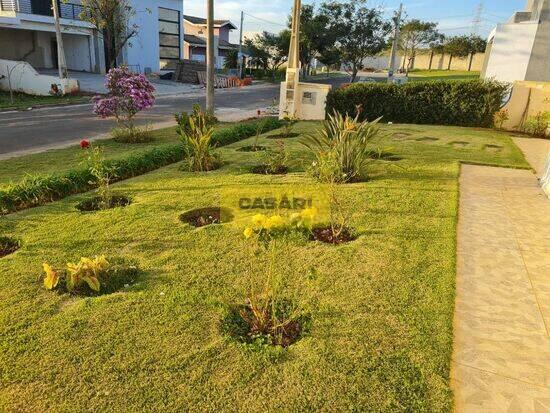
195 39
520 48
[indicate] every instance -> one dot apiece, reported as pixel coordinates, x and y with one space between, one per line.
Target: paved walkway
501 359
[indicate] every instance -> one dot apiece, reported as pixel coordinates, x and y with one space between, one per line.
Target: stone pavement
501 358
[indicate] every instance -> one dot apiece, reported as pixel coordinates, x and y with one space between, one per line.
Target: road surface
40 129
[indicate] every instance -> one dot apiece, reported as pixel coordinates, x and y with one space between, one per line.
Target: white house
520 48
27 33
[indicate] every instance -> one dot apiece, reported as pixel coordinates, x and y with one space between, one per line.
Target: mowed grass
380 337
425 75
24 101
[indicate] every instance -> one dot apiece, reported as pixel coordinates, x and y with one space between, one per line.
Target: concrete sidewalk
501 359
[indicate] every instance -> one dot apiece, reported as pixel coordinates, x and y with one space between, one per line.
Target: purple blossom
129 93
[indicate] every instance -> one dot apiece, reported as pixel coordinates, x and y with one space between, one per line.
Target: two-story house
27 33
520 48
195 39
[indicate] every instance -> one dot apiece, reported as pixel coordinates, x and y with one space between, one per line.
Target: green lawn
423 75
24 101
380 337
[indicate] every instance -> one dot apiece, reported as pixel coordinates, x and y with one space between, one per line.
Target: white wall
511 51
144 48
22 77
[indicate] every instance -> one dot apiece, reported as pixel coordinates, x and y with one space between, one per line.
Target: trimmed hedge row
38 190
446 102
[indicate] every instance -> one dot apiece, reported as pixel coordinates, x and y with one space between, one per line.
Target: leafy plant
183 119
196 135
288 125
91 275
275 159
102 173
268 314
538 124
86 272
341 143
500 117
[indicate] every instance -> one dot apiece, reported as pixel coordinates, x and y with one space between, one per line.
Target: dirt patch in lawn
8 246
328 236
492 148
282 136
251 148
459 144
257 326
98 203
206 216
266 170
428 139
401 136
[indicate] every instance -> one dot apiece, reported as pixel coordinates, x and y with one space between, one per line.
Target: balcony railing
42 8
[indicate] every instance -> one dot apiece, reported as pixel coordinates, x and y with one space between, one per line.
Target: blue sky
453 16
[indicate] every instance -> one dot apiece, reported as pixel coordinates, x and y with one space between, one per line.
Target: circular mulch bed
282 136
325 234
251 148
206 216
266 170
97 204
240 324
8 246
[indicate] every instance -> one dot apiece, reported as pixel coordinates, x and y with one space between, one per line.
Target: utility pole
61 63
241 47
395 44
476 22
210 56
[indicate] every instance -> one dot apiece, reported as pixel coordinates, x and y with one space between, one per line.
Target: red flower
84 143
259 112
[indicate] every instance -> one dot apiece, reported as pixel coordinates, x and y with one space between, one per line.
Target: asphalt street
49 127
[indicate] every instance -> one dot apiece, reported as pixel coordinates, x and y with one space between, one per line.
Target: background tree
231 60
268 50
477 45
360 32
416 34
112 19
330 56
457 46
437 46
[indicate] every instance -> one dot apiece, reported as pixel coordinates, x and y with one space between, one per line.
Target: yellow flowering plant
267 226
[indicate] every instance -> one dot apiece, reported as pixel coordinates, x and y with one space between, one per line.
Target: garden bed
379 330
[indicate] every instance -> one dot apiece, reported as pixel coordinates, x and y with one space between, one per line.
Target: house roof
193 40
201 21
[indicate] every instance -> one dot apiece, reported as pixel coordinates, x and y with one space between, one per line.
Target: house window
169 37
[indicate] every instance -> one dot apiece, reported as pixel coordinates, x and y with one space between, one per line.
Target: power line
265 21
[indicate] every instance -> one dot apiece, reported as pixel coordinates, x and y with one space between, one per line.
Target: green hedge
445 102
38 190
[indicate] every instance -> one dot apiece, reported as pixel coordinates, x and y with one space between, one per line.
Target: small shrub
102 173
500 117
132 134
537 125
446 102
342 143
90 276
129 94
274 160
288 126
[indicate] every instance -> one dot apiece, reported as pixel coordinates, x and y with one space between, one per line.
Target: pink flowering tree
129 94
